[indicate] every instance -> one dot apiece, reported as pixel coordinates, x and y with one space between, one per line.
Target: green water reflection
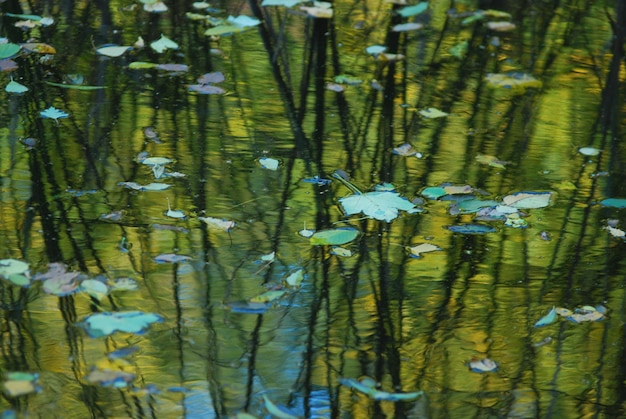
409 323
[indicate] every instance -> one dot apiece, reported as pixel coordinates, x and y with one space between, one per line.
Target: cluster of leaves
467 200
578 315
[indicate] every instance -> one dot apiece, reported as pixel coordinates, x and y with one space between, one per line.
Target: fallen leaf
417 250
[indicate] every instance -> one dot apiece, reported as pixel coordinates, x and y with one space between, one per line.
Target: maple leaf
53 113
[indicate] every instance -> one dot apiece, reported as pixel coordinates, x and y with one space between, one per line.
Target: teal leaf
416 9
547 319
9 50
334 236
12 266
614 202
105 324
113 51
223 30
53 113
285 3
243 21
434 192
382 206
15 87
470 206
471 229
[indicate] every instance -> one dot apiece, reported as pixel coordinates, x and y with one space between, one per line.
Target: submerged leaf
171 258
483 365
413 10
433 113
268 296
471 229
278 411
614 202
368 386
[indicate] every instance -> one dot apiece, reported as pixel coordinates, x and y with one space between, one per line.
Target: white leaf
382 206
217 223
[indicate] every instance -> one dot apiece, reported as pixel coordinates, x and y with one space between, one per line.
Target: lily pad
105 324
334 236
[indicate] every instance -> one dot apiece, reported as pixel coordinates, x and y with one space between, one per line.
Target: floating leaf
469 206
483 365
154 6
295 278
149 187
471 229
416 9
24 16
589 151
433 113
501 26
406 27
268 296
15 87
269 163
113 51
243 21
340 251
173 68
163 44
63 284
528 200
368 386
142 65
39 48
211 78
223 30
347 79
173 213
9 50
104 324
10 267
585 314
614 202
334 87
406 150
20 383
416 251
171 258
615 232
206 89
341 235
433 192
547 319
322 10
53 113
124 284
375 49
96 289
218 224
382 206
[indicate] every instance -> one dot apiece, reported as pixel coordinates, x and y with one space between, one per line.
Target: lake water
500 130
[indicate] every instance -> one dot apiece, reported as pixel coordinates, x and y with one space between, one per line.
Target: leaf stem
346 183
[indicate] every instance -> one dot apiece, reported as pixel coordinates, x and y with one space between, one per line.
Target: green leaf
433 192
268 296
334 236
416 9
223 30
15 87
104 324
295 278
382 206
432 113
96 289
23 16
515 81
470 206
8 50
269 163
141 65
19 279
162 44
243 21
547 319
